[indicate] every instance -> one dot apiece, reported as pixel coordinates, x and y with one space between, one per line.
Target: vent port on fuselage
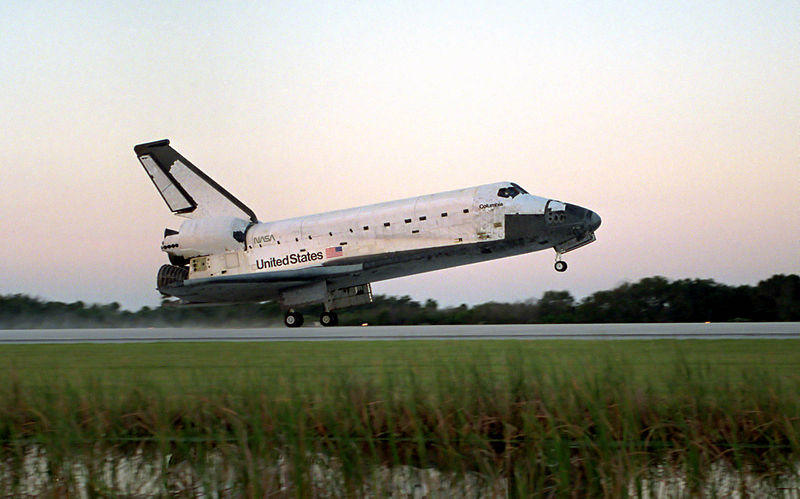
199 264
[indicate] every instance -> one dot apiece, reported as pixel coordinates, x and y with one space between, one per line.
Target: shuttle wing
306 275
252 287
188 192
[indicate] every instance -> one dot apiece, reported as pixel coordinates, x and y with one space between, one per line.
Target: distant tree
652 299
656 299
556 307
778 298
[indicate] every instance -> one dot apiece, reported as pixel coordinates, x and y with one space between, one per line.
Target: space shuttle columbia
222 253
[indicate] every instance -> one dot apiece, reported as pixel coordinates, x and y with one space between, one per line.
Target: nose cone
593 221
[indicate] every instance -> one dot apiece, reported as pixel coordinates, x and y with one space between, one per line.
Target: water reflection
150 474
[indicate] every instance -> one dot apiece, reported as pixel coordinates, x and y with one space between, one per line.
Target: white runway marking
771 330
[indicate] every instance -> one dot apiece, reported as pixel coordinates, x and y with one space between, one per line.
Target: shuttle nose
593 221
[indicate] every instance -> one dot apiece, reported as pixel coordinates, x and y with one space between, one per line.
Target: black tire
561 266
293 319
329 319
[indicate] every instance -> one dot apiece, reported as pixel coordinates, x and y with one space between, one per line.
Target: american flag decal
333 252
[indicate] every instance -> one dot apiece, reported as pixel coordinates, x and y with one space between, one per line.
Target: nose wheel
560 265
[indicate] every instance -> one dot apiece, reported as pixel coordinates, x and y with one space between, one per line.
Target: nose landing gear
561 265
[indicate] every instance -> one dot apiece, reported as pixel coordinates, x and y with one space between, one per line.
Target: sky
677 122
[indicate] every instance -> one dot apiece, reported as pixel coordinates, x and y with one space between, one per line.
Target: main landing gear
561 265
329 319
295 319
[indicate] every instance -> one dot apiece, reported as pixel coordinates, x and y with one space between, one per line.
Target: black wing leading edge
187 191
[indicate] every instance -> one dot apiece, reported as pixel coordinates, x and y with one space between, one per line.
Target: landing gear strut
329 319
561 265
293 319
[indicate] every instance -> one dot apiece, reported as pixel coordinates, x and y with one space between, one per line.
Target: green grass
311 360
540 417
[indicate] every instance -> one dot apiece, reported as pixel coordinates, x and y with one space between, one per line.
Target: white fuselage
304 259
455 218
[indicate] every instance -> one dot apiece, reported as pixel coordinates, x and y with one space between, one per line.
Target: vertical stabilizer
188 192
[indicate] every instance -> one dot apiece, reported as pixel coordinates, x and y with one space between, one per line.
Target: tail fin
187 191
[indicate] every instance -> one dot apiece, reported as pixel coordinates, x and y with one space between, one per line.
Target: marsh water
149 474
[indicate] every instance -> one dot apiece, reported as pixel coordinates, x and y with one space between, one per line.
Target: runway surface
772 330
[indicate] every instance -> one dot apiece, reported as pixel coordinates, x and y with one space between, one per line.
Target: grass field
341 418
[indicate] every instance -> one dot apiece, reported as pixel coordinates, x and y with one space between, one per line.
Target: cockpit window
520 189
508 192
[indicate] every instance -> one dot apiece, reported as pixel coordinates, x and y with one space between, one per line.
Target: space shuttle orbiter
223 253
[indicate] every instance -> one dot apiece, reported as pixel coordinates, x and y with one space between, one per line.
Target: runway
772 330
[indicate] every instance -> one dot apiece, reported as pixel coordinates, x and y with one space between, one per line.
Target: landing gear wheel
329 319
293 319
561 266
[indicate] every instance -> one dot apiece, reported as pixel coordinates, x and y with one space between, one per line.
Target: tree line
652 299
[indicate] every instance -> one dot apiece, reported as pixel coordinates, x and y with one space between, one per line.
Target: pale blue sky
679 123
